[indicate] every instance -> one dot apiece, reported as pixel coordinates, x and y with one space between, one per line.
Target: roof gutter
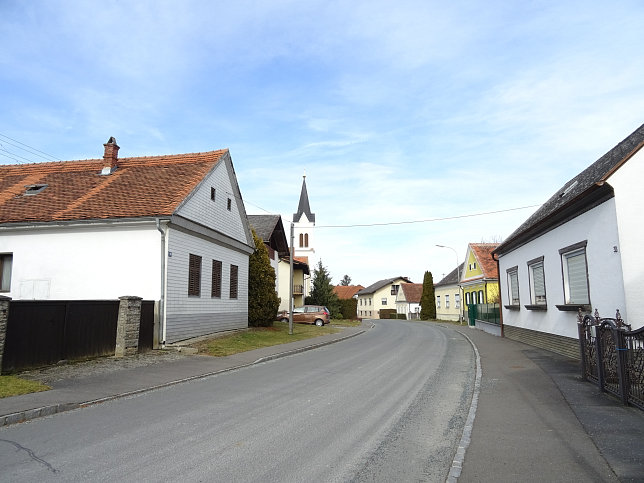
161 334
500 291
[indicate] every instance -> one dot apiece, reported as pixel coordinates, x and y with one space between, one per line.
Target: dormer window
34 189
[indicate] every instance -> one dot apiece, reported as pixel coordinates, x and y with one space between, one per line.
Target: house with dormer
379 295
581 250
172 229
480 276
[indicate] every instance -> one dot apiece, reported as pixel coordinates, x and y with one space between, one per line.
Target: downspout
161 335
500 299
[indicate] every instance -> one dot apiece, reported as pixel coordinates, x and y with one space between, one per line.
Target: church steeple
303 207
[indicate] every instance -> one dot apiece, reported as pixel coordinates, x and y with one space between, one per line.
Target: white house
379 295
408 300
167 228
579 250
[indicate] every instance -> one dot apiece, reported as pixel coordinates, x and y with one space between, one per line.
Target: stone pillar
127 329
4 317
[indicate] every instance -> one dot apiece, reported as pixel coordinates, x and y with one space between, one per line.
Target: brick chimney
111 153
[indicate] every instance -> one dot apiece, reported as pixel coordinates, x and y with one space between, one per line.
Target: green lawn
257 337
14 386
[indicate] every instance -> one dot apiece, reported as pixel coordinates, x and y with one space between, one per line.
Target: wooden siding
188 316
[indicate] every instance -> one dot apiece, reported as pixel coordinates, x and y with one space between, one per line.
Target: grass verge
14 386
258 337
345 323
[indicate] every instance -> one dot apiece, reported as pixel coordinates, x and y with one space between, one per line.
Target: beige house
300 276
380 295
448 296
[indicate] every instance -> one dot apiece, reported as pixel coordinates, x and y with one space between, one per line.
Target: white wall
84 262
629 204
188 317
599 227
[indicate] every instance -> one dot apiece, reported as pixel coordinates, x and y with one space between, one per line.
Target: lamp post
458 282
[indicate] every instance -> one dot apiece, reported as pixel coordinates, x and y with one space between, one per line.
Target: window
447 301
230 204
575 274
216 279
457 301
481 297
384 301
537 282
234 274
394 289
513 285
438 301
306 239
34 189
472 266
467 298
212 194
361 302
369 300
194 275
6 261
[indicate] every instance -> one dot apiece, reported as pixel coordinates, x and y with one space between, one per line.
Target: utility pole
290 291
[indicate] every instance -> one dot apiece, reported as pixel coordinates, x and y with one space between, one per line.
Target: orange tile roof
347 291
76 190
412 291
483 253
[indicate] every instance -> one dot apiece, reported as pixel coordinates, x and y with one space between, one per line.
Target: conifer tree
263 301
427 299
346 281
322 291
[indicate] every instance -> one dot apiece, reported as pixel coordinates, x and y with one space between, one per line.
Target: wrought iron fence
612 355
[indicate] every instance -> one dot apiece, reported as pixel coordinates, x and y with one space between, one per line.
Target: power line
31 150
471 215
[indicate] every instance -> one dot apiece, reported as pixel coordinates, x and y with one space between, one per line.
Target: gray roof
379 284
580 194
452 277
303 207
271 230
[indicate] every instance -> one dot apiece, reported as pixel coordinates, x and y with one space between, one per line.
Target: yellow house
448 295
380 295
480 276
300 277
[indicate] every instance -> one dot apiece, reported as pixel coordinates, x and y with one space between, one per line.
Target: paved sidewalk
75 392
537 420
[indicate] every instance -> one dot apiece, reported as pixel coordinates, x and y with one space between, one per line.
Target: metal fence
612 356
489 313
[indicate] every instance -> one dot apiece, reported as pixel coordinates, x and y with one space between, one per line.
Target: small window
438 301
194 275
212 194
306 240
384 301
230 204
467 298
575 274
216 279
457 301
447 301
481 297
6 262
513 285
394 289
34 189
234 274
537 282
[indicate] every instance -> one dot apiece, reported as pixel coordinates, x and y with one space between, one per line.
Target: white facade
84 262
629 206
598 227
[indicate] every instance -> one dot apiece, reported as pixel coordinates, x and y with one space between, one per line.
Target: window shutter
194 275
514 287
577 281
216 279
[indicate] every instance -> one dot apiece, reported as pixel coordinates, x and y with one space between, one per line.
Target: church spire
303 207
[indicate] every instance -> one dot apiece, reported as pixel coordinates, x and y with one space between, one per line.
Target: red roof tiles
76 190
346 292
412 292
483 253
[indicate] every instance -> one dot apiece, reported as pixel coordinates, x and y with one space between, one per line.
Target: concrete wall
599 227
89 261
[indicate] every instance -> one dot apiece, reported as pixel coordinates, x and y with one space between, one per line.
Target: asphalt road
388 405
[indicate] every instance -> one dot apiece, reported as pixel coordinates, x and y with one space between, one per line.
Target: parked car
308 314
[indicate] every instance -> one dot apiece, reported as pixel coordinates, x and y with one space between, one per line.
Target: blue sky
398 111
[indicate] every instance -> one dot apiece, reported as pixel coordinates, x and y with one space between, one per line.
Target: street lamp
458 274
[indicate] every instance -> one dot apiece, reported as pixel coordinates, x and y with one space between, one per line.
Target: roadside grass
345 323
14 386
257 337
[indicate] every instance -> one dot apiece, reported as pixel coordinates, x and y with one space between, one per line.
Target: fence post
618 335
600 357
581 329
4 317
127 329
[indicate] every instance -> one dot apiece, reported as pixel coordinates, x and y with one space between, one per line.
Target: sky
461 117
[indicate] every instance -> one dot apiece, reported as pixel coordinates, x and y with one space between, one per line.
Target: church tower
303 229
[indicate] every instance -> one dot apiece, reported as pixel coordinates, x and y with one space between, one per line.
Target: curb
466 437
28 415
